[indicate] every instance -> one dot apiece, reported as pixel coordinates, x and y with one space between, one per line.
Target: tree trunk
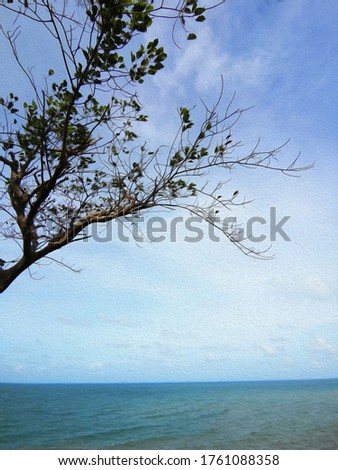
7 276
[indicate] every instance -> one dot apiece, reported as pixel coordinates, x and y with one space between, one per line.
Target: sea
241 415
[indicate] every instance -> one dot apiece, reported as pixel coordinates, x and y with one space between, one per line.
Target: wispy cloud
269 349
316 286
95 365
322 345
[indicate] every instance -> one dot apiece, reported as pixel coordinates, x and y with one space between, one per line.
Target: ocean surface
243 415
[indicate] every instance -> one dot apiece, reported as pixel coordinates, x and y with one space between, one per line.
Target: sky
179 311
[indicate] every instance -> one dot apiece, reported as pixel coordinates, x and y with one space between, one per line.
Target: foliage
70 158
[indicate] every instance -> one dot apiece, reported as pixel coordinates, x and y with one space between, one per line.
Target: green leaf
191 36
199 11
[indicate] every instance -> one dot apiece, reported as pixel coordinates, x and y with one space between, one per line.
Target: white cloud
202 62
317 286
95 365
321 344
199 66
269 349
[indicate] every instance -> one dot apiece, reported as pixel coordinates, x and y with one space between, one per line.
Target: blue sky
203 311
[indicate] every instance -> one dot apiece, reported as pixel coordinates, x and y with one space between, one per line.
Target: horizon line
173 382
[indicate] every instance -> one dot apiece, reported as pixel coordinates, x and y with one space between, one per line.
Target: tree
70 156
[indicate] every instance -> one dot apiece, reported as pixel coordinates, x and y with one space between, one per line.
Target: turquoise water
247 415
